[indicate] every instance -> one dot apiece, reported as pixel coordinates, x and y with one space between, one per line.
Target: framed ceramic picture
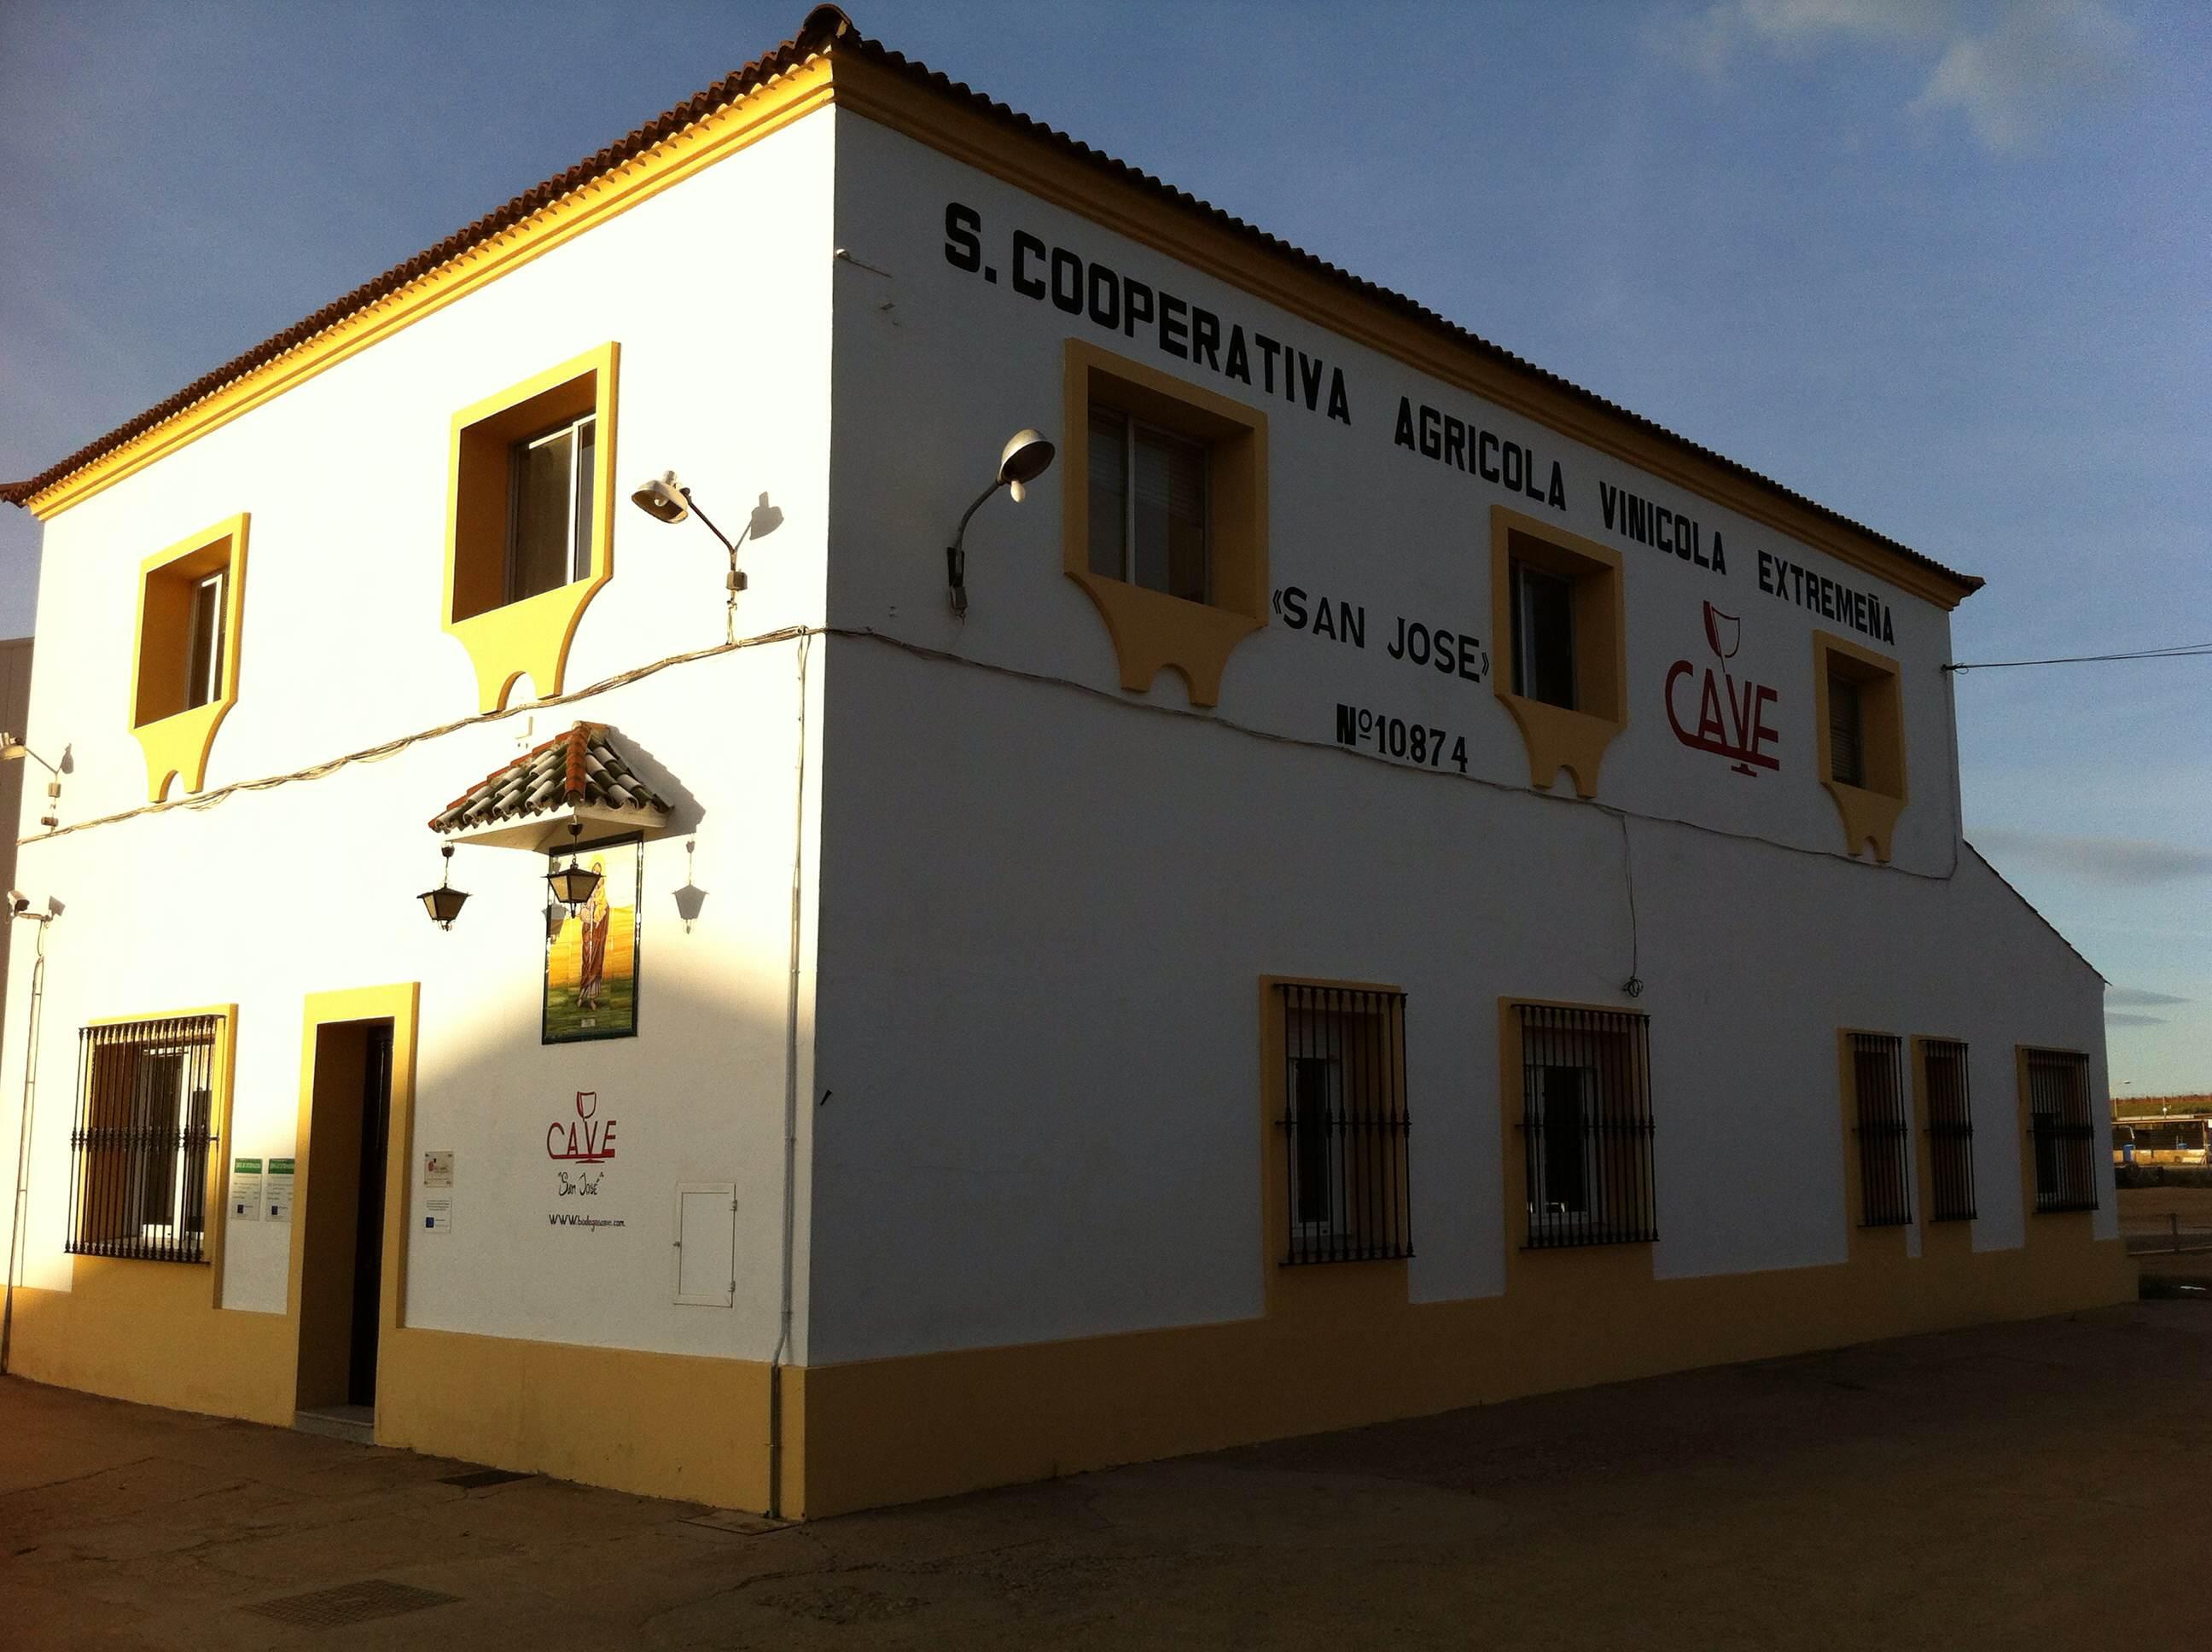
591 957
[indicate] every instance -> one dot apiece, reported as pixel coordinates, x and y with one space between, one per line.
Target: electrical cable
2179 651
921 651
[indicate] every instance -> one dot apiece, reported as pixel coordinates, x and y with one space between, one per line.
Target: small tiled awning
581 775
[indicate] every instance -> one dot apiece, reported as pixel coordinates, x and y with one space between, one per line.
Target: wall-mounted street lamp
1026 456
444 903
572 884
665 499
11 748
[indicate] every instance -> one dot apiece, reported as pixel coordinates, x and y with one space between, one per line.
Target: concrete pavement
2037 1484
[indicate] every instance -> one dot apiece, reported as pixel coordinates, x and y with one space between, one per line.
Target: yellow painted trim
662 1425
1866 1241
531 637
1556 738
1152 631
724 131
1083 187
1328 1296
1869 812
177 742
1566 1282
1003 1415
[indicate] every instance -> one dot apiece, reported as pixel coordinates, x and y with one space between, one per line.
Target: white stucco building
1407 885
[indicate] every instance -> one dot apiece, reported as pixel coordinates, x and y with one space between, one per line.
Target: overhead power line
2182 651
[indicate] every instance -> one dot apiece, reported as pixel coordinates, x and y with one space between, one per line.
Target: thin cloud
2121 862
2123 1018
2041 64
2141 998
2043 61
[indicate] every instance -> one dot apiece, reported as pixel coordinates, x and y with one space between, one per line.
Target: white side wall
718 291
1047 909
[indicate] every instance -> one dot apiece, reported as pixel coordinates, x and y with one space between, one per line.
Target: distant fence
2165 1233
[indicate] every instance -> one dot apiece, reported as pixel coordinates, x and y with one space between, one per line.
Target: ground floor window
1343 1124
1885 1139
144 1136
2065 1138
1950 1132
1586 1126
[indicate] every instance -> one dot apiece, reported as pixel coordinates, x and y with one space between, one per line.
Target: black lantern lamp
572 884
444 903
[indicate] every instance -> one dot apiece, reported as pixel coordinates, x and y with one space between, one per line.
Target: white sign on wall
276 1191
245 1190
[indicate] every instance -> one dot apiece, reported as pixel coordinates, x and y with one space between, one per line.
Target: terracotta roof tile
827 29
582 766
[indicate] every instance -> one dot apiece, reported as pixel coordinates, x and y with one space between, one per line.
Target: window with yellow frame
1556 611
184 677
1166 522
1859 727
530 522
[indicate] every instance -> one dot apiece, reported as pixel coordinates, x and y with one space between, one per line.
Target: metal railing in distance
1586 1126
144 1135
1344 1125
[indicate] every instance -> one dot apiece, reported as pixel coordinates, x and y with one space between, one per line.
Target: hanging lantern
444 903
572 884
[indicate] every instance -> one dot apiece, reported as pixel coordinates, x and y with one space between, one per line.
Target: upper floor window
203 653
529 523
184 666
1148 507
1556 606
1847 736
1543 635
1166 517
549 519
1861 732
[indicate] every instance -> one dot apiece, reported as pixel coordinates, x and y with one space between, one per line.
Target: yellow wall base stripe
898 1430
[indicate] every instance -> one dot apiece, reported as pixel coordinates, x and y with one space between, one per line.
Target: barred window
2065 1138
1885 1139
1586 1126
144 1136
1950 1132
1343 1126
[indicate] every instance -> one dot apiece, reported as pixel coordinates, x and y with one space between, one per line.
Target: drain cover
351 1603
475 1480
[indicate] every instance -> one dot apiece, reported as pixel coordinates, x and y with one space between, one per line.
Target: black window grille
1344 1125
1950 1132
145 1133
2065 1138
1884 1137
1586 1126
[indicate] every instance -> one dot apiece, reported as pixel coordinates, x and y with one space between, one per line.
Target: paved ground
2033 1486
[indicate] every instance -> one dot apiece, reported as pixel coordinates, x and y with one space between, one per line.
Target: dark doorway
369 1225
342 1206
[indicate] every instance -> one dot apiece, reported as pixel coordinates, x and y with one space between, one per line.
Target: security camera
18 901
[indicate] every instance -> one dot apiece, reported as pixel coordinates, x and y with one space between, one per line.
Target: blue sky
1942 265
